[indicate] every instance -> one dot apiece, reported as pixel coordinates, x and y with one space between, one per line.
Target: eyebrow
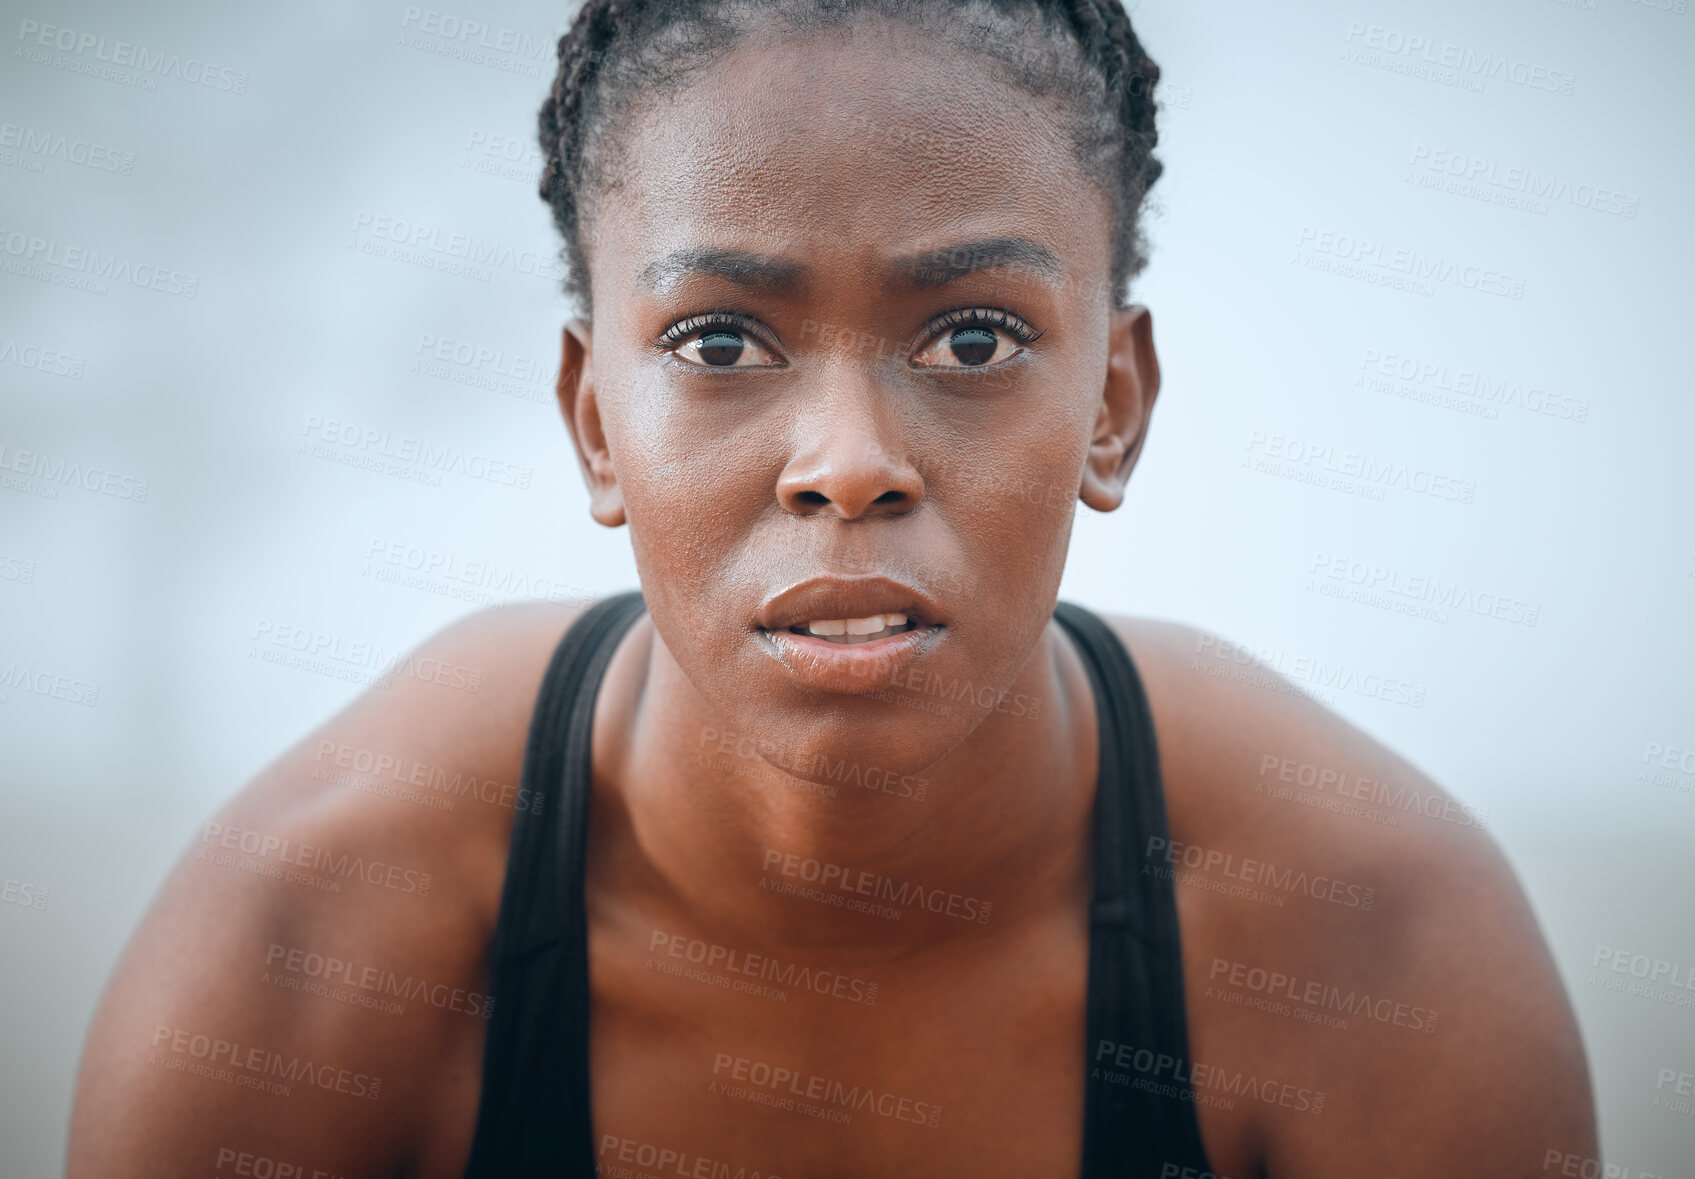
757 271
935 268
921 271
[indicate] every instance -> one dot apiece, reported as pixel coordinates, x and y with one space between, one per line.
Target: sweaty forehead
871 146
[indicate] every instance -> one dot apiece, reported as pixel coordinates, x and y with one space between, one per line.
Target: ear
581 409
1127 402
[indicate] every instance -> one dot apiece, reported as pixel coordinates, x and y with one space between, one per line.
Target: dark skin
821 453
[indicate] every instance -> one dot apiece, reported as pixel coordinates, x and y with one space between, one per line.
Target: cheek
1019 515
1017 522
1019 489
688 489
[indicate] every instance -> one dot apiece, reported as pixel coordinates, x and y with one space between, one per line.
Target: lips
846 663
821 598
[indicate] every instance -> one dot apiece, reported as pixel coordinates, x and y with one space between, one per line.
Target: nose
848 460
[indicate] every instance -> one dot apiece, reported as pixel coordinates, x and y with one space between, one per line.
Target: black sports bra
534 1120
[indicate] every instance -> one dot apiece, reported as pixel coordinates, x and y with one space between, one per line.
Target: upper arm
1415 990
317 955
1462 1053
1501 1082
205 1042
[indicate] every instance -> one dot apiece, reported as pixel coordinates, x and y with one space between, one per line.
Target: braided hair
1083 51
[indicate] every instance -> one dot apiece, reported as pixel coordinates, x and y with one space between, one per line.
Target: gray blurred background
1475 277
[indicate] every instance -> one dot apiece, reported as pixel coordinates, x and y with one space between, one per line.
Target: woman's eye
723 347
969 346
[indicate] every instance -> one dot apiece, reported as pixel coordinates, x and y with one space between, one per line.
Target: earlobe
1127 401
580 405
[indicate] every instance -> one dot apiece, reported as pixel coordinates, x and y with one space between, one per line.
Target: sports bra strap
533 1118
1139 1113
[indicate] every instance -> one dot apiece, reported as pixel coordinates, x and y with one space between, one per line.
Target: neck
993 833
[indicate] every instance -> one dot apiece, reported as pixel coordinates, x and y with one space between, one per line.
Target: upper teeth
855 626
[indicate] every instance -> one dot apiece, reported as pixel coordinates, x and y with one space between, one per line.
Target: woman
842 849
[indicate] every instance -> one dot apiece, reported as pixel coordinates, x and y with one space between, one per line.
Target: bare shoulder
315 963
427 764
1352 930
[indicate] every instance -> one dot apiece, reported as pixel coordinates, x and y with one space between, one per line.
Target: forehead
849 145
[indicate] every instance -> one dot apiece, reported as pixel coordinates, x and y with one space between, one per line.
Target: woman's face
852 320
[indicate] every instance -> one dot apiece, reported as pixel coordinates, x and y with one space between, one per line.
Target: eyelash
1009 322
685 329
996 317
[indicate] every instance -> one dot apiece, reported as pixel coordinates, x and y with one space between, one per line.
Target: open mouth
849 631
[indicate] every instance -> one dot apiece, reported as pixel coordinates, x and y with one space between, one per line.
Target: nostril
890 497
816 499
